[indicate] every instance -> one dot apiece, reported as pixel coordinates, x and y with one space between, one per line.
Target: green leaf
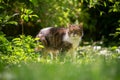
12 22
37 39
35 2
22 9
114 48
105 4
28 11
41 46
1 0
26 18
16 39
7 17
114 10
1 7
22 16
101 13
33 16
111 0
118 29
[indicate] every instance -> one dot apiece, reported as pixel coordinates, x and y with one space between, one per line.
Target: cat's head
76 30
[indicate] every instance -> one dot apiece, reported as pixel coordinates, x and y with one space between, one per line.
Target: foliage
6 18
100 17
16 13
117 33
56 13
27 14
18 50
4 44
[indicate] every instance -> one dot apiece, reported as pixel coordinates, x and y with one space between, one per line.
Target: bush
5 45
20 49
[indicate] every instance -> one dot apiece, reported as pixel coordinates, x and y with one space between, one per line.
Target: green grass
101 63
99 70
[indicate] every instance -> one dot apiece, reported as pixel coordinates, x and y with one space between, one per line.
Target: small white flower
97 47
103 52
118 50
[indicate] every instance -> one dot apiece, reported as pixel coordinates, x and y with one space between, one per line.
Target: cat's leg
74 55
54 54
44 54
71 54
49 54
64 56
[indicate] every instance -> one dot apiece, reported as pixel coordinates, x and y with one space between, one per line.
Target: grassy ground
93 63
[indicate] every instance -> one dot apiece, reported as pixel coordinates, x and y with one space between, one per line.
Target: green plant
20 49
26 16
57 13
6 20
117 32
5 45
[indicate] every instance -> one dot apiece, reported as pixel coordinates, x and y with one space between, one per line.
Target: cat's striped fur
57 40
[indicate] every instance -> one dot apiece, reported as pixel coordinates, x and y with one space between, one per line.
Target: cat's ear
81 25
75 26
70 27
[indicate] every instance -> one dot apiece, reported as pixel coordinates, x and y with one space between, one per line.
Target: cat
58 40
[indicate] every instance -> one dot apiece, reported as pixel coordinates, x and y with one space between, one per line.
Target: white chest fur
75 40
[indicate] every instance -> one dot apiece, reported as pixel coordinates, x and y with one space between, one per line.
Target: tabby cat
57 39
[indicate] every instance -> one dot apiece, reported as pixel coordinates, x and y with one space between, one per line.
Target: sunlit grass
92 63
98 70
